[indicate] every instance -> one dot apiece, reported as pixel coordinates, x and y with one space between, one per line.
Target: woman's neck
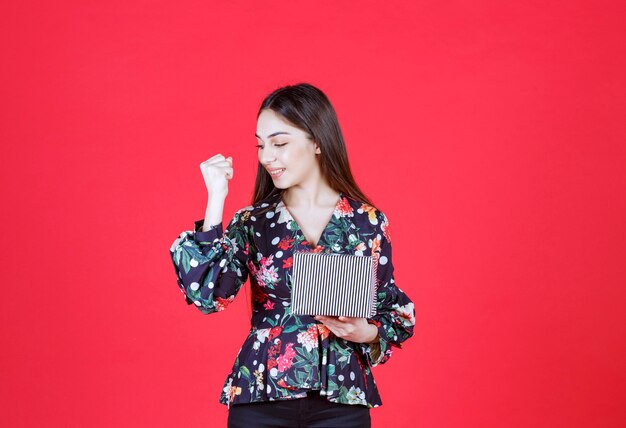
322 195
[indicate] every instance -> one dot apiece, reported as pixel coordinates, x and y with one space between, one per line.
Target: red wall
492 134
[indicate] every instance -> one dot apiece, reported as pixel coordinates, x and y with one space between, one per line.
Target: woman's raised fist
216 172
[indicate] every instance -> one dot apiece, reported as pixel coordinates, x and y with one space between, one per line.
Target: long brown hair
308 108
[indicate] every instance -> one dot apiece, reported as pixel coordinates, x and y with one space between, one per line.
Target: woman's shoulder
374 214
257 209
365 214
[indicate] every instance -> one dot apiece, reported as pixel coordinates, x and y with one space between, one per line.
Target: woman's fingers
226 164
340 318
213 159
332 323
349 328
219 159
217 171
222 164
218 162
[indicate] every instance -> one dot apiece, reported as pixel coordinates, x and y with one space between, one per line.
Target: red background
492 134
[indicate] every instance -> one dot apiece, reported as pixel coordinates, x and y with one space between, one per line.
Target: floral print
285 355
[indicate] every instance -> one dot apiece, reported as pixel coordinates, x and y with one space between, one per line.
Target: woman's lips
277 173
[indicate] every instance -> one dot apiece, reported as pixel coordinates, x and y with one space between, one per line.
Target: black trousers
314 411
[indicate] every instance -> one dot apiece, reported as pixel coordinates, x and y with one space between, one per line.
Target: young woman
294 370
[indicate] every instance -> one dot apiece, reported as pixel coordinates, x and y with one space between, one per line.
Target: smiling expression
286 152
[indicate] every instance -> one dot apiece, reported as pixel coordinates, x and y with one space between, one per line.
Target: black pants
314 411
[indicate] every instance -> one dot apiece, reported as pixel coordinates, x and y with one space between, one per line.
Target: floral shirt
285 355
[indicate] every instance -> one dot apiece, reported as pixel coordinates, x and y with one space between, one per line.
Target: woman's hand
216 171
350 328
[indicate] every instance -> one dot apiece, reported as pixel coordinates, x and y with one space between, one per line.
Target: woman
294 370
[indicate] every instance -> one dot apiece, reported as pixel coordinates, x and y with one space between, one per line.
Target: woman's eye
277 145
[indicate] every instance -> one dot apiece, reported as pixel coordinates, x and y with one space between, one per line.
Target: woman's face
287 150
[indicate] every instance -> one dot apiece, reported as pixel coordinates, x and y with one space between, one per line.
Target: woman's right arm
211 265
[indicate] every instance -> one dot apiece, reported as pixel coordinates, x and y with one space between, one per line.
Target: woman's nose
266 155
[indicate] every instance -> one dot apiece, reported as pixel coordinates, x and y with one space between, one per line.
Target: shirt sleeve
395 313
211 266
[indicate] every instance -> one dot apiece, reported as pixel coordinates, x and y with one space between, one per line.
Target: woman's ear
317 149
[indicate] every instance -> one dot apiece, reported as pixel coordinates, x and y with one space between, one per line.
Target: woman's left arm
395 312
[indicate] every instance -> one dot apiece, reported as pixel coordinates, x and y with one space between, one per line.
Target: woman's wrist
374 335
214 211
